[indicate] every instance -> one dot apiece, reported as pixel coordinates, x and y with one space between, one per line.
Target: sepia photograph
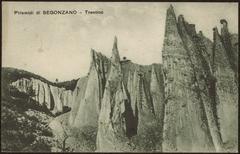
119 77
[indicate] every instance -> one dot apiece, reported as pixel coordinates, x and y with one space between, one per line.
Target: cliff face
185 126
187 104
132 106
199 111
48 96
226 90
89 94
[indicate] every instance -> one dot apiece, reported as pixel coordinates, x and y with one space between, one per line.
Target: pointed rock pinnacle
171 7
170 10
216 35
224 29
115 43
92 55
92 52
115 53
224 32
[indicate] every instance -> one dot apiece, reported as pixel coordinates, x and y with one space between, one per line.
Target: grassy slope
24 127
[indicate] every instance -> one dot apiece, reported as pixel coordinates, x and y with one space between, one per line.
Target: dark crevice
210 80
52 103
131 120
136 115
198 89
131 123
149 100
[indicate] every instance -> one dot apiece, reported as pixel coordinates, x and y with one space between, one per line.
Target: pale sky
58 46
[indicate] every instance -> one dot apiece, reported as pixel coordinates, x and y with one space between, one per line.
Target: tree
62 138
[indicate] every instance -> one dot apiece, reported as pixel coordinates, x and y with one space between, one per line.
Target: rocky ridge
188 103
196 112
48 96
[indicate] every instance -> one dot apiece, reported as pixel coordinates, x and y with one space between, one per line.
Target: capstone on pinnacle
224 22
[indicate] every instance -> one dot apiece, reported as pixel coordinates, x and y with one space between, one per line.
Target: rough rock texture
195 120
48 96
110 135
187 104
185 127
89 97
131 107
78 93
231 49
227 92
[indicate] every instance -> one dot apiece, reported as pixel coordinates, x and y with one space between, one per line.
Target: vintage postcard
119 77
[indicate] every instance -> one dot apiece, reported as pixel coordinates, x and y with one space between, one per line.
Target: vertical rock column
77 94
111 135
87 114
56 92
201 83
174 55
185 125
157 93
230 53
227 93
148 133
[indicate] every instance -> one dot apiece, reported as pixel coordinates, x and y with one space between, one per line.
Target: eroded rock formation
187 104
131 107
193 119
51 97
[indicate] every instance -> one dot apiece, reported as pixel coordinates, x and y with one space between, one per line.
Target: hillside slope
187 104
